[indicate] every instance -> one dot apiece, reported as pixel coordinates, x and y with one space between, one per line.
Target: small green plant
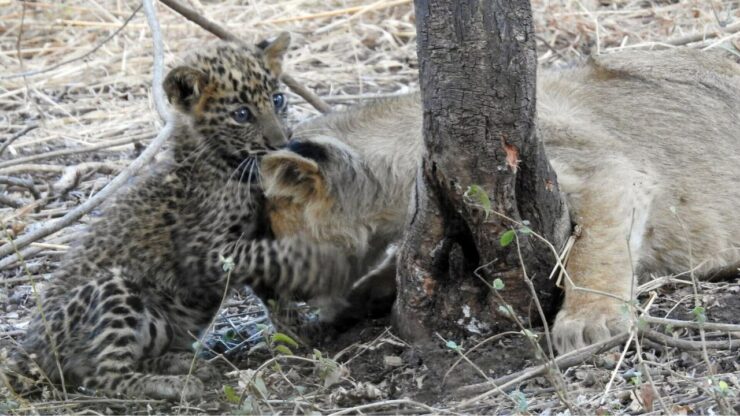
260 386
506 310
529 334
328 370
626 308
723 389
453 346
230 394
478 196
508 236
275 342
700 315
7 406
642 323
521 401
634 377
281 343
250 407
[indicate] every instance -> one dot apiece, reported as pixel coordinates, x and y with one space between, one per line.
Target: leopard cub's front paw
207 372
588 324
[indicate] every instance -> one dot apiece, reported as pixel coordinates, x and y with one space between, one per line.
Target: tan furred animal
641 141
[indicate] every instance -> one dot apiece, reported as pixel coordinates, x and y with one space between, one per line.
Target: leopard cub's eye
242 115
279 101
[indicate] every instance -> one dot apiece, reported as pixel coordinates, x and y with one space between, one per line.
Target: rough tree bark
477 70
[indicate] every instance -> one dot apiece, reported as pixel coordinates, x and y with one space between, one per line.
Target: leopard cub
149 275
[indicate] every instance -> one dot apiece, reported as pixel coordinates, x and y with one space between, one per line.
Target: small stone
392 361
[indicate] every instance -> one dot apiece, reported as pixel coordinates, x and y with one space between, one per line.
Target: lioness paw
578 327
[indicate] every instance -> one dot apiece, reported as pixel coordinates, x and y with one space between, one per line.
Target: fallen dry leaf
647 396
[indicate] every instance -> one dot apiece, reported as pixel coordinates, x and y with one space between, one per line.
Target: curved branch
16 136
77 58
224 34
143 159
29 185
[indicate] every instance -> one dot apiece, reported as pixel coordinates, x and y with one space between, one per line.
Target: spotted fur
149 275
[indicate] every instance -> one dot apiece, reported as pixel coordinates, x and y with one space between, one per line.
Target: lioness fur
646 146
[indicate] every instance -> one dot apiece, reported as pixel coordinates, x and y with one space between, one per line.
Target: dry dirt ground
76 108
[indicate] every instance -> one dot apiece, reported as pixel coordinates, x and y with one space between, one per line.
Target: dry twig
16 136
143 159
77 58
562 362
714 326
224 34
67 152
698 37
685 345
8 180
11 202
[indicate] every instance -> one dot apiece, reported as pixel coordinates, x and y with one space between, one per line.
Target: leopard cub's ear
273 52
183 86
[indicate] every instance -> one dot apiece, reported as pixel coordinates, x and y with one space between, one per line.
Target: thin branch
458 350
306 94
563 362
684 40
381 4
608 387
34 249
398 402
476 346
714 326
201 20
554 375
77 58
558 259
362 97
67 152
8 180
638 346
16 136
579 356
633 335
333 13
11 202
160 99
224 34
698 37
686 345
144 158
110 166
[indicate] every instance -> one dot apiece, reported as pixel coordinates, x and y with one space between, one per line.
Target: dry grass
84 108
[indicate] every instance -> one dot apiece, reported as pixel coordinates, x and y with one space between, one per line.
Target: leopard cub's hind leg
123 333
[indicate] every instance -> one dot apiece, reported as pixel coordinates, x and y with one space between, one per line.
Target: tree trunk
477 70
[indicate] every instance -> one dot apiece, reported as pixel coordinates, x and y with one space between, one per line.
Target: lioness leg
612 206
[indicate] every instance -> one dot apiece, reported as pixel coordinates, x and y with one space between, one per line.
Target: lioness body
647 151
